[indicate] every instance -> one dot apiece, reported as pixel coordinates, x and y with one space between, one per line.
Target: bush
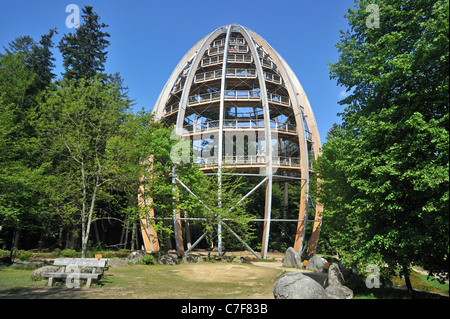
24 255
148 259
4 253
69 253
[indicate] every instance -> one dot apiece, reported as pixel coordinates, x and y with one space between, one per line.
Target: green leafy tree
223 205
385 169
20 165
77 123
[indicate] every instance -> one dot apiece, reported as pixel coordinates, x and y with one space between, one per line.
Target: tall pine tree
84 53
36 57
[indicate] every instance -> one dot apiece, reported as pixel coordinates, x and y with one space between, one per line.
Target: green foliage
24 255
76 123
20 165
385 169
220 206
148 259
69 253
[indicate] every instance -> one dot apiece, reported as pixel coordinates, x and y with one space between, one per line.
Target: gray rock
38 263
334 285
292 258
135 257
169 259
316 263
117 262
192 258
335 276
38 273
24 265
339 292
298 286
243 260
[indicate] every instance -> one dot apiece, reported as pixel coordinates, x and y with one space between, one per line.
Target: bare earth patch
225 272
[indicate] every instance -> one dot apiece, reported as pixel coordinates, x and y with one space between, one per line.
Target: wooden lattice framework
233 83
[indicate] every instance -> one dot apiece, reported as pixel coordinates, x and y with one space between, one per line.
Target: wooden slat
76 275
87 262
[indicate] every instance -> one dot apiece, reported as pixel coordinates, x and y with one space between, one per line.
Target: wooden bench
71 270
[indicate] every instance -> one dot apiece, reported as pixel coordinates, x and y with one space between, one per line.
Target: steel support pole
242 241
268 138
174 216
267 218
220 146
195 244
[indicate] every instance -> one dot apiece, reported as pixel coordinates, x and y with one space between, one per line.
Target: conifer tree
84 53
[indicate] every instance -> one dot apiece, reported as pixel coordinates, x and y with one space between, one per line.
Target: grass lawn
207 280
189 281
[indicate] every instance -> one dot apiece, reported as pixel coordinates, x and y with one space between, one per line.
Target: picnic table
75 269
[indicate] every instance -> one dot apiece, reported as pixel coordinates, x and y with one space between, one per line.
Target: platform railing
240 124
249 160
232 95
235 41
239 58
238 95
230 73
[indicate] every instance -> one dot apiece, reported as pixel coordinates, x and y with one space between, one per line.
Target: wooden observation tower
231 87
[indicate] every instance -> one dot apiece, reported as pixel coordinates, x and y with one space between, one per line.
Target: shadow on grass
42 293
360 291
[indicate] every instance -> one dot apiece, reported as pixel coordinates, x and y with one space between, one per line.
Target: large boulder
334 286
38 274
292 258
335 276
298 286
339 292
316 263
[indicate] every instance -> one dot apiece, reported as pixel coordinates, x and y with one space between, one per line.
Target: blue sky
148 38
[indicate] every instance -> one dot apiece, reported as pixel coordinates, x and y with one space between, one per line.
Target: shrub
24 255
148 259
69 253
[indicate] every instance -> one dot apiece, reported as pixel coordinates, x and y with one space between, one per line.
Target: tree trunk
133 236
70 244
15 243
188 231
60 238
123 238
83 214
97 236
87 224
407 279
